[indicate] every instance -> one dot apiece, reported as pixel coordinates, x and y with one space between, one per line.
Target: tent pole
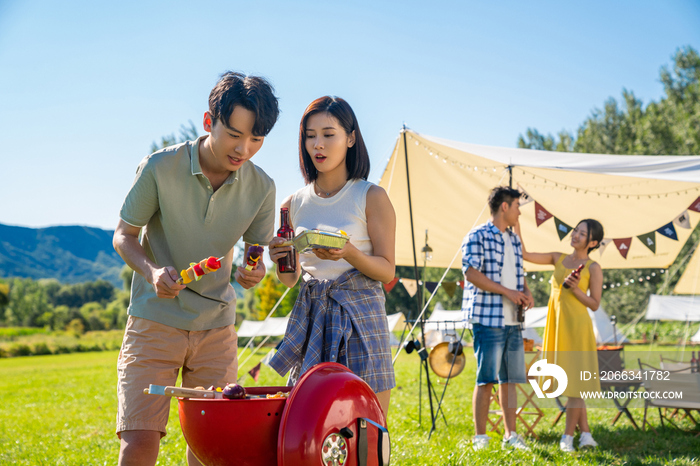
510 176
419 301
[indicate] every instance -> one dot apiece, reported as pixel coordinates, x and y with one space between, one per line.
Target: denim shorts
500 357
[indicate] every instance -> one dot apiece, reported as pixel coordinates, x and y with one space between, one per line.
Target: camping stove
330 418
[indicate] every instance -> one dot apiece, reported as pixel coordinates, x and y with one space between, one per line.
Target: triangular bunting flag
524 197
266 360
431 286
461 284
649 240
410 285
450 288
390 286
604 244
695 206
255 372
562 228
668 231
541 214
683 220
623 245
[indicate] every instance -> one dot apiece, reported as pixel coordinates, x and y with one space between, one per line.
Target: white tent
602 326
683 308
273 327
636 198
444 322
680 308
276 326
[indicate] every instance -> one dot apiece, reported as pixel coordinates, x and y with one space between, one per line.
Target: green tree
127 275
187 133
670 126
268 292
27 305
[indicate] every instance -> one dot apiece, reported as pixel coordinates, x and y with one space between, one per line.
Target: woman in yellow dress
569 340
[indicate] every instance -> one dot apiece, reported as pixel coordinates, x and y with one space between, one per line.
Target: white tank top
344 211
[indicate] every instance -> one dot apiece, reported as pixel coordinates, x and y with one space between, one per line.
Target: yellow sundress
569 340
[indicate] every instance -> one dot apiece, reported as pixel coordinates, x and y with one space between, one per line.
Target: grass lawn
60 410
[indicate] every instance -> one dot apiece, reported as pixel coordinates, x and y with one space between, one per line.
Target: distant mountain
70 254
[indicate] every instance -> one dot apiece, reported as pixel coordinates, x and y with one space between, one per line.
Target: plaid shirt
482 249
344 321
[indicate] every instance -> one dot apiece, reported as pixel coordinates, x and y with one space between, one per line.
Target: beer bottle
288 263
574 273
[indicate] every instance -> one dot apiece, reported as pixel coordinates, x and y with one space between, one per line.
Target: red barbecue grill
330 418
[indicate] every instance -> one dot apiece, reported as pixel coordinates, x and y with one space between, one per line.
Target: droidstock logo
542 369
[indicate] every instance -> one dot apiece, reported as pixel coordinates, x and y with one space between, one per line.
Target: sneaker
586 441
480 442
567 443
515 441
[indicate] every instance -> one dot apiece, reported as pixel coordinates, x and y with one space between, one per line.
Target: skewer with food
197 270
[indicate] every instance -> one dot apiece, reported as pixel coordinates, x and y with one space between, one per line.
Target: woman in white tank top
341 293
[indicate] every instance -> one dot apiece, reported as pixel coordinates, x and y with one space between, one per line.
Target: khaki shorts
154 353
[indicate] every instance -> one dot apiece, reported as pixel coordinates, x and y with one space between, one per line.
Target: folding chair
660 381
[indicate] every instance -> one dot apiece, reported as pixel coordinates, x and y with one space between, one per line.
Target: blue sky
86 87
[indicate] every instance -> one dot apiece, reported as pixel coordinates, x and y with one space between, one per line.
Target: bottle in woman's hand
576 273
287 264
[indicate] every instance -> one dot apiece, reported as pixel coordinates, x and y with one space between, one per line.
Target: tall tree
670 126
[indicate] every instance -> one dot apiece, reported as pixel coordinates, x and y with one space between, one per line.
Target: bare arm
126 243
545 258
381 226
595 286
276 253
482 282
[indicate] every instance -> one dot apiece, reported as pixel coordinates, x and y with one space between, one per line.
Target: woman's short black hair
253 93
595 232
357 158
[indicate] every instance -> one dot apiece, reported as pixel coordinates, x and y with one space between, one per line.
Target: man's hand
164 282
530 300
249 278
518 297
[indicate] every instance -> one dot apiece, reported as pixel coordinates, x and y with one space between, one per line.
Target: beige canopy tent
645 203
689 283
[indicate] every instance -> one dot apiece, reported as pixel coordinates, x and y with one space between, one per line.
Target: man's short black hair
250 92
501 194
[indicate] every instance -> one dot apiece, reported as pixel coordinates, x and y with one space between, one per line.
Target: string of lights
546 183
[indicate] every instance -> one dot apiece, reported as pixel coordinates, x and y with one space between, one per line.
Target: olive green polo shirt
185 221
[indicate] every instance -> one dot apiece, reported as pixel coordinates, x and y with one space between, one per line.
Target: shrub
41 348
20 350
75 327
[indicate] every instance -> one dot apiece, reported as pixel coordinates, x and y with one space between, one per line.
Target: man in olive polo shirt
188 202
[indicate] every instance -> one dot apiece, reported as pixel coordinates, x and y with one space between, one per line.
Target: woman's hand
572 280
335 254
276 251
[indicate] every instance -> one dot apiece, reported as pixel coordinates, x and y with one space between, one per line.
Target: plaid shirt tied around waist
482 249
342 320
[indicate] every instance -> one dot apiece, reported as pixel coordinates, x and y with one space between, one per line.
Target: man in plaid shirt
492 262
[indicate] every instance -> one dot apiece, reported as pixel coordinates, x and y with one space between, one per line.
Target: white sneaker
480 442
515 441
567 443
586 441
